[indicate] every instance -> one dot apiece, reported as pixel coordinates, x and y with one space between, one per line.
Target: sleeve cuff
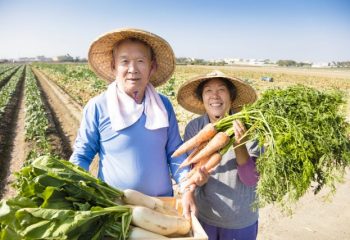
247 173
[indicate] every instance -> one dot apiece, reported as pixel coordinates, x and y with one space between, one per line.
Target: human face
133 68
216 99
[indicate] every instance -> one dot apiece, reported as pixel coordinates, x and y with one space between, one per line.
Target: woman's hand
201 176
241 151
240 131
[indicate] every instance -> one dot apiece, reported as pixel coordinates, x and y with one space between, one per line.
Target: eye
123 61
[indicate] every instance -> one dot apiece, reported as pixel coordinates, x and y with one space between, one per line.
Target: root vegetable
209 165
159 223
137 233
204 135
137 198
188 160
220 140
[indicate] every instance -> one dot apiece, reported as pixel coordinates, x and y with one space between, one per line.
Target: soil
11 139
313 217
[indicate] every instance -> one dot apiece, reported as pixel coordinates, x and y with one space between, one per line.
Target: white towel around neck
124 111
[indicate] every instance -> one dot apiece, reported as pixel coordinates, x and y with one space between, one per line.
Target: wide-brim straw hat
100 54
188 99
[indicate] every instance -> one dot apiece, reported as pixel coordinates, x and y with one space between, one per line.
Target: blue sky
309 30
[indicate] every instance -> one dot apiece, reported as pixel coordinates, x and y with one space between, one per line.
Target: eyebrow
220 85
126 56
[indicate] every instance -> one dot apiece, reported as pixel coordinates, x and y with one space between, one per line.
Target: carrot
213 161
204 135
220 140
195 168
209 165
187 161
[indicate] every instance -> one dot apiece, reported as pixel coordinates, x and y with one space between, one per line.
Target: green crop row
7 92
36 119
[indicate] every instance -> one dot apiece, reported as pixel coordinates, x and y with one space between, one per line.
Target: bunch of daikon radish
153 218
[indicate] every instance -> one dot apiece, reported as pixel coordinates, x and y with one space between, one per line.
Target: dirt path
67 112
18 152
314 218
8 135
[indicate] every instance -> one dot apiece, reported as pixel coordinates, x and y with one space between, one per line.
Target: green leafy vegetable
305 138
59 200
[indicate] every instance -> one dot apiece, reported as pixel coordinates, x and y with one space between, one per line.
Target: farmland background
70 77
43 109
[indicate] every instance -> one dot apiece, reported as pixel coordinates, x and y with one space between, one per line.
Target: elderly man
131 126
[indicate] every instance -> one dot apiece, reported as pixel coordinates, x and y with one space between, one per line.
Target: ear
113 64
154 67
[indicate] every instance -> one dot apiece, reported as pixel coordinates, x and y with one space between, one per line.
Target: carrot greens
304 138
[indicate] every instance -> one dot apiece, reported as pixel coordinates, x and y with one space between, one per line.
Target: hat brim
101 50
187 98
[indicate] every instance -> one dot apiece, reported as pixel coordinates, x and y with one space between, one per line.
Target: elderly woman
225 199
130 126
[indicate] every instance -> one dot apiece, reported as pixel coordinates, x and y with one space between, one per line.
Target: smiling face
216 99
133 66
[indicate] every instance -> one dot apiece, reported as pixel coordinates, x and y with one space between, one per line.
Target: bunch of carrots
304 134
207 147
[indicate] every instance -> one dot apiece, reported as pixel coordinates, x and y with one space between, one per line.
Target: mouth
215 104
133 79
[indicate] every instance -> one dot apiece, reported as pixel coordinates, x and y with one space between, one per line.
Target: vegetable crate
197 232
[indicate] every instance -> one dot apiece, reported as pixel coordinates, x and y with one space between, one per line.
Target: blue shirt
135 157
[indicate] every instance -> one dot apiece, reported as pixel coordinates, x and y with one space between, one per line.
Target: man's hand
188 203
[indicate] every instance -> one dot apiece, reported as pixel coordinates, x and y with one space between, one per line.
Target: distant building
248 62
27 59
64 58
43 59
321 65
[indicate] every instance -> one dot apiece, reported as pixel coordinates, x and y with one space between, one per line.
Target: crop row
7 92
6 67
6 75
36 119
77 80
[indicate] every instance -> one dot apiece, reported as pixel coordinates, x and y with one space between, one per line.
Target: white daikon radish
137 233
158 222
134 197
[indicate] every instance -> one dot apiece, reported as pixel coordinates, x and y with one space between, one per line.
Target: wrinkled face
216 99
133 68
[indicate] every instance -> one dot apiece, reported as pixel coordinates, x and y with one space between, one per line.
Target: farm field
40 111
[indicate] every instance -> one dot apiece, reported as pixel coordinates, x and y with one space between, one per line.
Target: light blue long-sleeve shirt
134 157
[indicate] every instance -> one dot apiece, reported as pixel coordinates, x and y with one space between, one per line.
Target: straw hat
187 98
100 54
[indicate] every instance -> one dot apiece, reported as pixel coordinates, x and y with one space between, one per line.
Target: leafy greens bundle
305 137
58 200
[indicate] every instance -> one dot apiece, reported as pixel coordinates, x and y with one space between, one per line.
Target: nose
215 95
132 68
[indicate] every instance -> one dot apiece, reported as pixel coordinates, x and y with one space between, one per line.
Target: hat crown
187 96
101 54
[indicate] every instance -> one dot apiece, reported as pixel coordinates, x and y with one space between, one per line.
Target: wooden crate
197 232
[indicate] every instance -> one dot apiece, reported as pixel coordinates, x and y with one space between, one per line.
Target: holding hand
240 132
